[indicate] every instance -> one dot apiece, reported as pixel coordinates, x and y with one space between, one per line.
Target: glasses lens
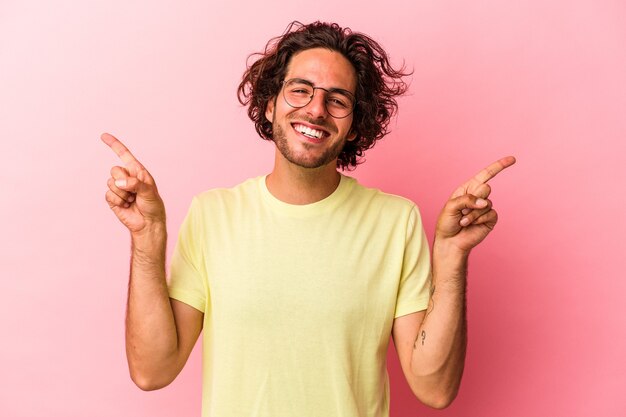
298 94
339 103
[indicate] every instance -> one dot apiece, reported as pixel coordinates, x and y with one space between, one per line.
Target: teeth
308 131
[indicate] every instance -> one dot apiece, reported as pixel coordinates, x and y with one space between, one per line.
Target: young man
298 278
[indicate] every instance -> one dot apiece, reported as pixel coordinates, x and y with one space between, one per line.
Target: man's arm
431 344
160 333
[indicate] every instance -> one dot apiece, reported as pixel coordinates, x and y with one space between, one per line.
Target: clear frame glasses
298 93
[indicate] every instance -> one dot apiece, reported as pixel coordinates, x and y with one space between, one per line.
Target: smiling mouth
309 132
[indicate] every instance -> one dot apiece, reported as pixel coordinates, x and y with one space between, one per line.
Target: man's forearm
439 351
151 338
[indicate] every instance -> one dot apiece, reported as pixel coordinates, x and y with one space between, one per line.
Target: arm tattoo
431 307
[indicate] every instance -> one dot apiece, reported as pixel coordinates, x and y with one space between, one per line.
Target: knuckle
112 186
117 172
485 190
115 189
110 197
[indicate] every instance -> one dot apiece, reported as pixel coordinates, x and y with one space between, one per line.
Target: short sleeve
187 279
414 289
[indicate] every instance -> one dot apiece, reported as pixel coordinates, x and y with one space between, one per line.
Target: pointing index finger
492 170
121 150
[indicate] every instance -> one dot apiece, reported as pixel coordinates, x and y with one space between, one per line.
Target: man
298 278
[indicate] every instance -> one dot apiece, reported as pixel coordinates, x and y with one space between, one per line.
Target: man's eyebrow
303 81
335 89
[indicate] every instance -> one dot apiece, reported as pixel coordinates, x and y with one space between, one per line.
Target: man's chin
309 163
307 159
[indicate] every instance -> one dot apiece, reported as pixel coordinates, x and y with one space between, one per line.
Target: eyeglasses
298 93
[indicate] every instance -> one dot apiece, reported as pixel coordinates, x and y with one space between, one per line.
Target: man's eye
337 102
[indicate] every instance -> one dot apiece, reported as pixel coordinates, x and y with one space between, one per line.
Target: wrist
449 265
150 241
151 230
445 249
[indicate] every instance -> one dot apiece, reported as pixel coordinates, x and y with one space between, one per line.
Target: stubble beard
282 144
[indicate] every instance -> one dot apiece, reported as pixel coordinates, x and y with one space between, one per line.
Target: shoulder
376 199
239 194
382 209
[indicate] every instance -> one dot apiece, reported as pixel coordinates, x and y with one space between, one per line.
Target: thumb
136 185
465 204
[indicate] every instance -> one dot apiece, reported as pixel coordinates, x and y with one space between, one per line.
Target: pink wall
541 79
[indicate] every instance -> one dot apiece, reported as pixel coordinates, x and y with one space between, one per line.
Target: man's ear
269 110
351 135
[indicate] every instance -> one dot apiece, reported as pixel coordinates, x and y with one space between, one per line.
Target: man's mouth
309 132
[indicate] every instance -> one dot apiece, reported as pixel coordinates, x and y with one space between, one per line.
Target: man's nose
317 106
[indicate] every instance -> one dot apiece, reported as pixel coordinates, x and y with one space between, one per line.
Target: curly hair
378 83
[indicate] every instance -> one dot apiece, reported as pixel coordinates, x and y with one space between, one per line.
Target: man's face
322 68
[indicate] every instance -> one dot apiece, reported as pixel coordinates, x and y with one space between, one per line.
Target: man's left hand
468 216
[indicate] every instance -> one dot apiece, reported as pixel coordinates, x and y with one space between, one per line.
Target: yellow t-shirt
299 300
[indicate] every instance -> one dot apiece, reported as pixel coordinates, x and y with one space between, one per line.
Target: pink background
542 80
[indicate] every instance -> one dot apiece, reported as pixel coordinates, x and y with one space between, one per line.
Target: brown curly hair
378 84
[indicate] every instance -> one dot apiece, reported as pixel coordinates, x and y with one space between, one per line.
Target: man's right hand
133 194
160 332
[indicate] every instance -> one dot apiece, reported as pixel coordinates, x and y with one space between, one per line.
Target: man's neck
293 184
